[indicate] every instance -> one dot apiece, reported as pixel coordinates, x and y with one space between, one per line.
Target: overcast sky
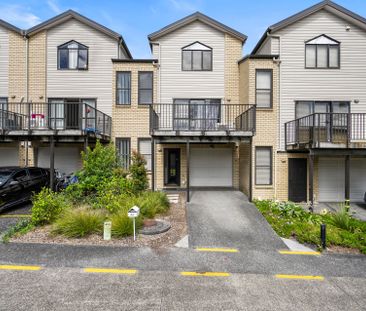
135 19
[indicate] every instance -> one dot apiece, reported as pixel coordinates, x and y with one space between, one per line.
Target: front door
172 167
297 180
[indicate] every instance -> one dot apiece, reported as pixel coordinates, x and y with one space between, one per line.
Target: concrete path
227 219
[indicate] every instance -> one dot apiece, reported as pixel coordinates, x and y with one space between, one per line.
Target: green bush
152 203
122 225
47 206
138 173
341 219
77 223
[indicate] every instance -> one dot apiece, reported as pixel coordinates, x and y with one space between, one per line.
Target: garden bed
344 233
176 216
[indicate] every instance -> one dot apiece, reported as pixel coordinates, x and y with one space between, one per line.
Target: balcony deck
326 131
64 121
211 122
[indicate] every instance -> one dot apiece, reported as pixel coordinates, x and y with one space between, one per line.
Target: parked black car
18 184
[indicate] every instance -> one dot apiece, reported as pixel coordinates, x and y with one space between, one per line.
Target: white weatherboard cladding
9 156
297 83
176 83
96 82
211 167
322 40
4 61
332 179
67 159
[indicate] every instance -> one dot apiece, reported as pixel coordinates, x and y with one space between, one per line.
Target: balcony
202 120
32 120
327 131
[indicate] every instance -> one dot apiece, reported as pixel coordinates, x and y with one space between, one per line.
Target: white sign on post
107 230
133 213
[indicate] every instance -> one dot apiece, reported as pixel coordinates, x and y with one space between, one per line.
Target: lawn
291 221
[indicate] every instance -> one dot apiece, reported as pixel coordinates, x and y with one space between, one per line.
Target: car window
4 176
21 175
35 172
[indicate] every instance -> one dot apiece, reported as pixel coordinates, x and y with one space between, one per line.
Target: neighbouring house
287 121
55 89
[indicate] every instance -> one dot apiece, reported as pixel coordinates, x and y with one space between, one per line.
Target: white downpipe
26 90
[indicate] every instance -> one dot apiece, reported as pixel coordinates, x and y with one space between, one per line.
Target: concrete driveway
227 219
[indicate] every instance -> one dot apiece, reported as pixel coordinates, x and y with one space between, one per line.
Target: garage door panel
332 179
211 167
9 156
67 159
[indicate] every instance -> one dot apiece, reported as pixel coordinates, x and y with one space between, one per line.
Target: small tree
138 172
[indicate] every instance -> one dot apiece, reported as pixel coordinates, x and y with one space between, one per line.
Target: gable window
144 147
322 52
263 88
197 57
145 87
263 165
123 148
73 55
123 88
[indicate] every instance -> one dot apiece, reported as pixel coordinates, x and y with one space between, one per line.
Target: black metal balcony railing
202 117
323 129
54 116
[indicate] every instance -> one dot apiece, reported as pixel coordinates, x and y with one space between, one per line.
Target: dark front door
297 179
172 167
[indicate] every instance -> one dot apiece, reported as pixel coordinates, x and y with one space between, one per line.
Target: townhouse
286 121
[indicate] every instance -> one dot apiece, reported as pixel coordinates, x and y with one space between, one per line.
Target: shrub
77 223
152 203
122 225
341 219
47 206
138 172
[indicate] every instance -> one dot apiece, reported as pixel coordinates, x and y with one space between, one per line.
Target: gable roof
198 16
67 15
8 26
326 5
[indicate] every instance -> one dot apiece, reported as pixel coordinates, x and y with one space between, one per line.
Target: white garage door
211 167
67 159
332 179
9 156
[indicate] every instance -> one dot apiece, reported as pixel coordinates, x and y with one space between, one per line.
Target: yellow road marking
222 250
300 277
310 253
11 267
115 271
191 273
16 216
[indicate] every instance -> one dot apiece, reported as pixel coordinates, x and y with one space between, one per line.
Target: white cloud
54 6
18 15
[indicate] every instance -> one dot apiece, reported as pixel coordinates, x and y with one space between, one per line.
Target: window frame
270 148
186 49
313 103
338 45
127 164
145 89
139 140
118 89
271 88
80 47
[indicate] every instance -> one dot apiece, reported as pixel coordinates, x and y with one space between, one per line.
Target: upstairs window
73 56
322 52
145 87
197 57
263 88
